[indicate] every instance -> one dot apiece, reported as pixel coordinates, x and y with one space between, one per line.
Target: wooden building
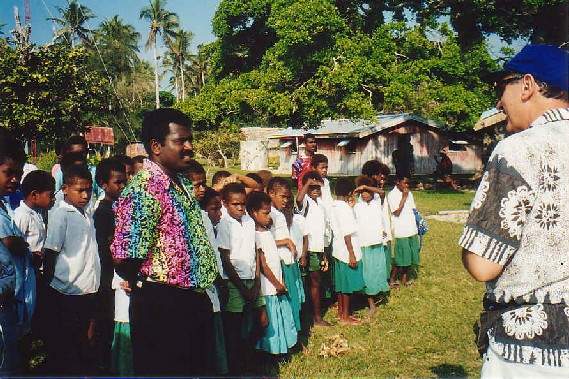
412 139
490 129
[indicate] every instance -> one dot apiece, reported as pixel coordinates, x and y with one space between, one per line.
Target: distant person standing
444 168
516 238
302 164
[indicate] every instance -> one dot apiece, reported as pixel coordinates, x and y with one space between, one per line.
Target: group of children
275 253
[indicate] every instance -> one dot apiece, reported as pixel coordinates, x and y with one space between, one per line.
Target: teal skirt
219 354
280 335
348 280
407 251
387 250
121 350
293 282
375 273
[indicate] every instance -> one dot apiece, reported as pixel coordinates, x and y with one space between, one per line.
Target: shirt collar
26 207
551 115
158 175
70 208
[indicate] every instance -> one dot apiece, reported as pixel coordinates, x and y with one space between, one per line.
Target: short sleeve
411 201
136 220
224 235
347 220
280 226
22 221
57 222
498 212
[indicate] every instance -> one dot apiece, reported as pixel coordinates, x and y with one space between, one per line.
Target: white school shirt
280 231
266 242
122 300
211 291
297 232
31 224
403 225
386 216
327 200
369 217
315 223
239 239
344 224
72 235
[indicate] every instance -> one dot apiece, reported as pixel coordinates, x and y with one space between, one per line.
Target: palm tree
172 64
162 22
71 23
118 44
180 47
198 68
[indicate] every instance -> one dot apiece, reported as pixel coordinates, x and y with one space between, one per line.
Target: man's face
115 185
213 210
235 205
78 193
322 169
310 146
198 181
280 197
10 175
262 216
509 92
177 151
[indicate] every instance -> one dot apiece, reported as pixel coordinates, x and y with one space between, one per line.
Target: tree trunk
182 76
464 22
156 84
223 156
176 87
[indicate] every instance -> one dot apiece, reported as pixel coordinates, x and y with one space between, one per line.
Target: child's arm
304 256
352 257
265 269
397 212
289 244
50 257
16 245
234 278
248 182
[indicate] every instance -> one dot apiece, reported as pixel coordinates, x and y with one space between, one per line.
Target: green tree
163 22
179 47
118 46
72 22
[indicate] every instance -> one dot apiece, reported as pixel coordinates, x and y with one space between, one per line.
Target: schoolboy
17 273
128 165
236 244
111 176
72 268
308 204
197 175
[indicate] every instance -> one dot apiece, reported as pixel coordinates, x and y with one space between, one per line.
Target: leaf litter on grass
334 346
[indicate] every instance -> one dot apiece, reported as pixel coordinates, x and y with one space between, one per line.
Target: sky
195 15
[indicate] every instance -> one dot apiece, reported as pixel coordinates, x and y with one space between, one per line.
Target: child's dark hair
266 176
309 135
71 159
344 187
311 175
256 178
363 180
278 182
375 167
124 159
105 167
256 200
11 148
138 159
75 172
232 188
317 159
39 181
73 140
401 177
208 196
221 174
195 167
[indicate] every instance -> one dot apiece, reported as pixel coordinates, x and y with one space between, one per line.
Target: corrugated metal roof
355 128
488 118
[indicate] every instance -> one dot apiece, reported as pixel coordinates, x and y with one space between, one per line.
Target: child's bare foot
394 285
321 323
350 321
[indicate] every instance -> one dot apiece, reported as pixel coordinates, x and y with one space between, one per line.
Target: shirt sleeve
498 212
411 201
136 220
55 239
224 235
22 221
281 227
348 224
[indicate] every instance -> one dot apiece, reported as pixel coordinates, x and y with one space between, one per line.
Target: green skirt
293 282
407 251
375 273
348 280
387 250
121 350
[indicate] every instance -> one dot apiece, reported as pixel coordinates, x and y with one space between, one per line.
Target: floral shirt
519 219
161 223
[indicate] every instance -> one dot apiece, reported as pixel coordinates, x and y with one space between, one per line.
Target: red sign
100 135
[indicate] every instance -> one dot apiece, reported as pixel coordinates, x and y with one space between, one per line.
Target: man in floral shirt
516 238
162 248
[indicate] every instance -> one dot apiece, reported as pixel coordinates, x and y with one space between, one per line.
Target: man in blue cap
516 238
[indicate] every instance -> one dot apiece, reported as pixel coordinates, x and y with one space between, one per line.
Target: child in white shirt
236 244
372 237
348 270
122 344
309 205
290 249
405 231
280 333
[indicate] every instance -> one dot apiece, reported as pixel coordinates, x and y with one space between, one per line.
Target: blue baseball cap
546 63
